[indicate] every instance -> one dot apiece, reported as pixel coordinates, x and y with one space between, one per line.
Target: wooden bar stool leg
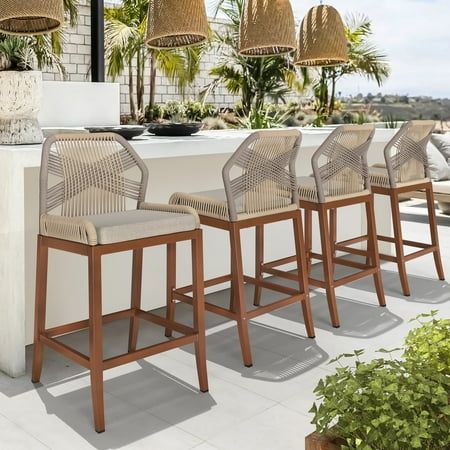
434 233
136 293
259 261
302 269
171 274
374 256
239 293
232 284
96 339
399 248
199 310
40 308
308 237
333 233
327 253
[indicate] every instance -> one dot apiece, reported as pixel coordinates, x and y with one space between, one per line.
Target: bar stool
89 183
406 170
260 188
340 178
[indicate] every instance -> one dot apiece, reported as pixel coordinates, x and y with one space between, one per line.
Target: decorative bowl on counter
126 131
174 129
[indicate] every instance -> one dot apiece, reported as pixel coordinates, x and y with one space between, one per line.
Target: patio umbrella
176 23
322 40
267 28
30 16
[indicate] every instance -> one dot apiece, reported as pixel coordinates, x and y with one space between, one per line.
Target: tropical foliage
126 28
44 51
254 79
390 403
365 59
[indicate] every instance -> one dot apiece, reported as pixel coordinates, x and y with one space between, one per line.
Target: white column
12 265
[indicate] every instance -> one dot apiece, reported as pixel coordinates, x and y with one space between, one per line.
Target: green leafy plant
254 79
265 117
429 344
391 121
187 111
385 404
365 59
126 50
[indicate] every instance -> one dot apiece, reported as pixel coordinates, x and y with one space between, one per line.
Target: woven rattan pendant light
322 40
267 28
176 23
30 16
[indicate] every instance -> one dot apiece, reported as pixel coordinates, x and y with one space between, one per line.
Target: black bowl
126 131
174 129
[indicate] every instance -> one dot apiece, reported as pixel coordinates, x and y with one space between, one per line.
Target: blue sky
415 34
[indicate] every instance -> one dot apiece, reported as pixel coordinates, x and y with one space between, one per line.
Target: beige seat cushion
379 176
214 203
307 190
117 227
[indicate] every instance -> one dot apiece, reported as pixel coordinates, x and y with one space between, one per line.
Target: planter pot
20 102
318 441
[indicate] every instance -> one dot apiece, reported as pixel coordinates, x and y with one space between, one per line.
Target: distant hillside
400 107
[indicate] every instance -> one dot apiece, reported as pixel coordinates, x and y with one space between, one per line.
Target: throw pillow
439 169
442 142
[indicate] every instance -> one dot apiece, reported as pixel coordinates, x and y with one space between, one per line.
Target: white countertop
217 142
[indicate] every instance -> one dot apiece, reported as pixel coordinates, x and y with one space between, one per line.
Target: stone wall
77 57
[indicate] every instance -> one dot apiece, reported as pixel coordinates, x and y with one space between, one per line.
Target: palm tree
46 50
365 59
254 79
125 32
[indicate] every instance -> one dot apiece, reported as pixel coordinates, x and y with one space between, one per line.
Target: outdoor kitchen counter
188 164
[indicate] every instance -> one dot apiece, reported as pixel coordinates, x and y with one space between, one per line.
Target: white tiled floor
155 403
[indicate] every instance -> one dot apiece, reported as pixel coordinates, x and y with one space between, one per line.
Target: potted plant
389 403
21 84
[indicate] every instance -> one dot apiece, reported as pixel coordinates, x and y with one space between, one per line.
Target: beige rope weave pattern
267 28
176 23
259 179
322 40
30 16
405 156
83 175
339 165
203 205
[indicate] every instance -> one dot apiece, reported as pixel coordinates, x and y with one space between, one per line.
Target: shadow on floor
278 355
423 290
358 319
419 218
128 407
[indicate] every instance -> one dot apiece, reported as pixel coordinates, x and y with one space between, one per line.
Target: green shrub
429 344
269 117
197 111
385 404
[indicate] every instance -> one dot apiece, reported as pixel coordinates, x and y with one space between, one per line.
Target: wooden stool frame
400 258
95 362
327 227
237 310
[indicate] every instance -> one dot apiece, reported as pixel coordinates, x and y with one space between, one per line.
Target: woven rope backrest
406 153
340 163
266 179
84 174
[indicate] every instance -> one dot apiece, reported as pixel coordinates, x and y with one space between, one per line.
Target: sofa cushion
439 169
442 187
442 143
